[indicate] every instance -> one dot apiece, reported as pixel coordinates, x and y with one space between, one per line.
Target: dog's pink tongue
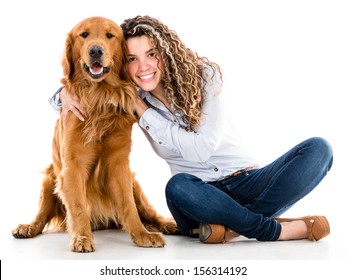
96 68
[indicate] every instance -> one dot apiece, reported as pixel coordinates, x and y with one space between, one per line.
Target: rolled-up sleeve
55 101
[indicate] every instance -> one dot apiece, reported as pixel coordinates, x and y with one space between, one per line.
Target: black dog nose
96 52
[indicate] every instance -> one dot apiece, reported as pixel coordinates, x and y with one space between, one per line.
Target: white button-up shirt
211 153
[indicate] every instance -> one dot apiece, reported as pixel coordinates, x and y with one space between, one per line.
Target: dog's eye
84 34
109 35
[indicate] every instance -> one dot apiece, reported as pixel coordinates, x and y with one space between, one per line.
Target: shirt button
147 127
216 169
160 142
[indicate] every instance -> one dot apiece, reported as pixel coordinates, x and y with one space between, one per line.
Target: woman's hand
71 103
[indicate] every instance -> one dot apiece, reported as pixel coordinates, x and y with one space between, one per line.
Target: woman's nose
143 65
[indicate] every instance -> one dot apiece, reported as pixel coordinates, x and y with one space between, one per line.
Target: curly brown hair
183 74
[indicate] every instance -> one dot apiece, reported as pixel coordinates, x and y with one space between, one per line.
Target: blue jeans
248 202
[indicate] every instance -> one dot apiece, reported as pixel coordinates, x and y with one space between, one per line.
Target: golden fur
89 185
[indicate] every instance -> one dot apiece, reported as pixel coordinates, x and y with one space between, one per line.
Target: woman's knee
178 184
323 149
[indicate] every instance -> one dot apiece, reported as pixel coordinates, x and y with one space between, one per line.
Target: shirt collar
152 100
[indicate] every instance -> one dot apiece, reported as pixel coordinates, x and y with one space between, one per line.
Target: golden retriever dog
89 185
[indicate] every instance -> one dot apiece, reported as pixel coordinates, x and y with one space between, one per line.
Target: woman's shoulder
207 70
212 79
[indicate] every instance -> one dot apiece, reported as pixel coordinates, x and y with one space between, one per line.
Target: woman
217 191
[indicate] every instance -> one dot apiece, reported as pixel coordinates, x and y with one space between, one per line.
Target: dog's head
94 48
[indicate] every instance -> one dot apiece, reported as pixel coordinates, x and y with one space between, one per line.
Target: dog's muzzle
96 69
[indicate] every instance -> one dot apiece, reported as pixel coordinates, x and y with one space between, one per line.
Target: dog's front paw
82 244
149 239
24 231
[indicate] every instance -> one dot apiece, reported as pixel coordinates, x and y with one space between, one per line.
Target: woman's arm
65 101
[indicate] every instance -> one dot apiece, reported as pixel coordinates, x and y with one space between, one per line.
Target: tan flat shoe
211 233
318 226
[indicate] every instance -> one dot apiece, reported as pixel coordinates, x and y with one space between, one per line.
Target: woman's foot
312 228
213 234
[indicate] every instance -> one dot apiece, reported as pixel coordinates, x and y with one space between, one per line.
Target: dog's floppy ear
124 69
67 61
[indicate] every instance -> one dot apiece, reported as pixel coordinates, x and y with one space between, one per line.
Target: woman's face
145 63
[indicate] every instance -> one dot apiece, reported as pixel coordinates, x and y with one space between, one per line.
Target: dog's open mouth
96 70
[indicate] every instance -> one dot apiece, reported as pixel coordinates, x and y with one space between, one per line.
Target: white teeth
146 77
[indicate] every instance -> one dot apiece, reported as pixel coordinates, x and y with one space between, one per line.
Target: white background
284 65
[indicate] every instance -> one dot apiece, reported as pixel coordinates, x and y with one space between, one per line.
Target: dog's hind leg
152 220
48 208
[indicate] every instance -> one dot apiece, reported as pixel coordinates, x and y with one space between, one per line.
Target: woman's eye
152 54
130 59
